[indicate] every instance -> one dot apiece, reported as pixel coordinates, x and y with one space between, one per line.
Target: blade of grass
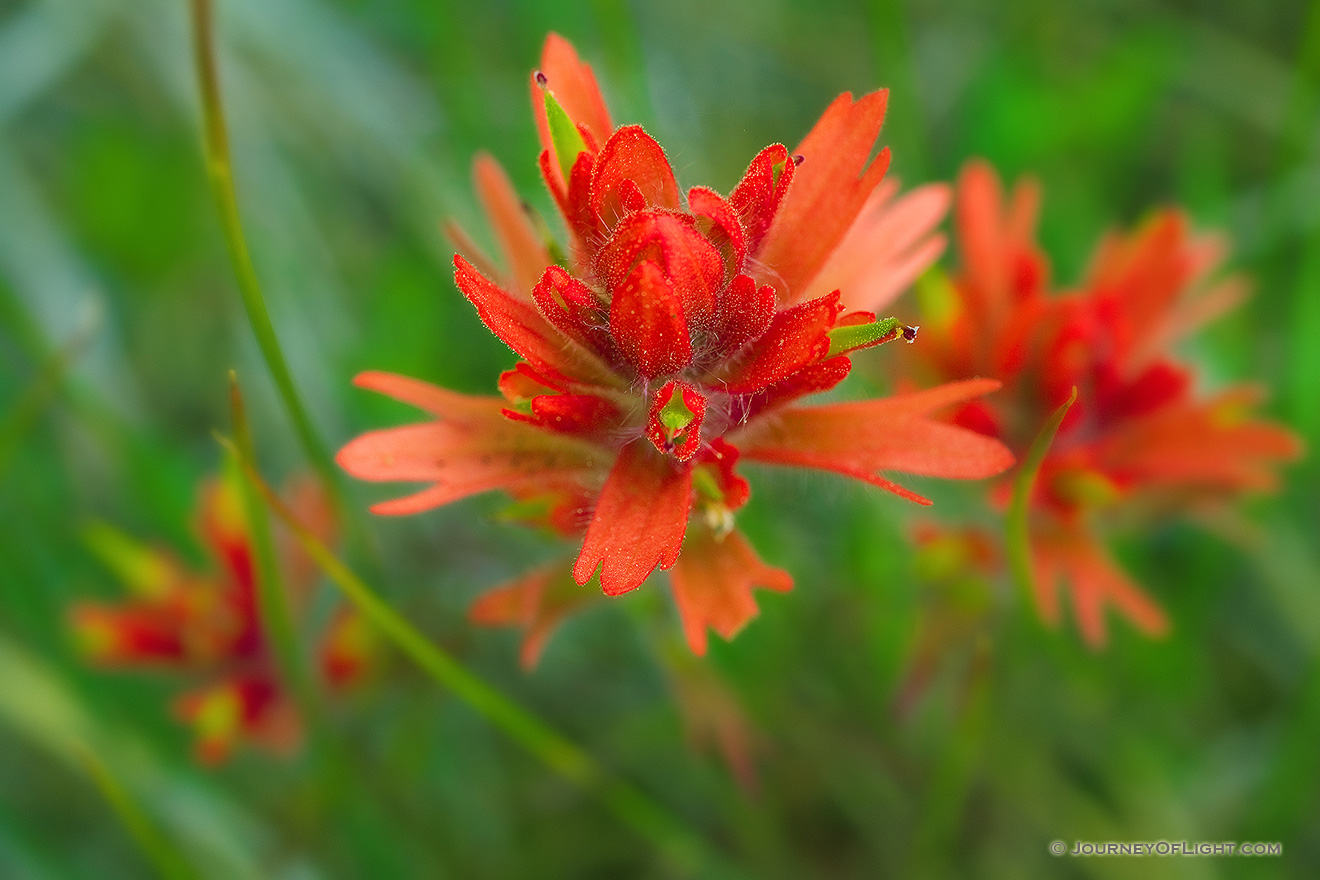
687 850
169 863
23 413
1015 523
220 171
36 704
272 597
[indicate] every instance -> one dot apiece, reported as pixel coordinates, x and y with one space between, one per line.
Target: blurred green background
353 125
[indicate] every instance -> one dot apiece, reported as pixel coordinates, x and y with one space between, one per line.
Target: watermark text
1144 848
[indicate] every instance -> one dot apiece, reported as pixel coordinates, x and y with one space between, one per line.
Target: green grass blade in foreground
23 413
168 861
272 597
1018 539
687 850
37 705
220 171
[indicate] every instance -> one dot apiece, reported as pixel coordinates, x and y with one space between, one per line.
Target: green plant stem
36 705
272 596
19 418
219 168
1015 523
684 848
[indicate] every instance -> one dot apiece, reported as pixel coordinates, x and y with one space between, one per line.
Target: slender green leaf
221 174
272 596
1018 537
22 414
564 135
35 703
168 861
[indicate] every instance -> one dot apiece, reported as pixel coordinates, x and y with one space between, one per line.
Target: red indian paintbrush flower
1138 439
673 340
207 625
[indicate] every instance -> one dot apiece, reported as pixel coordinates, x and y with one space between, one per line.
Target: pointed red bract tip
713 583
573 308
639 520
631 155
725 232
758 196
687 257
536 602
522 328
574 86
828 191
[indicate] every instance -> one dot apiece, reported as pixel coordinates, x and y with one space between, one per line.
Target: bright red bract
1138 437
678 329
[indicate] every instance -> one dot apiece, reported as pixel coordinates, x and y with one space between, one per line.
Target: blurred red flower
673 340
1138 440
207 625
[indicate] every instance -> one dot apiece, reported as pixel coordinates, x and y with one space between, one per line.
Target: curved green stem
37 706
168 861
272 597
1015 523
24 412
220 171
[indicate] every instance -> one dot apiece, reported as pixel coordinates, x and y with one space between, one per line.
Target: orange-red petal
536 602
1094 582
835 179
471 448
713 582
1210 444
892 433
639 520
892 241
523 249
